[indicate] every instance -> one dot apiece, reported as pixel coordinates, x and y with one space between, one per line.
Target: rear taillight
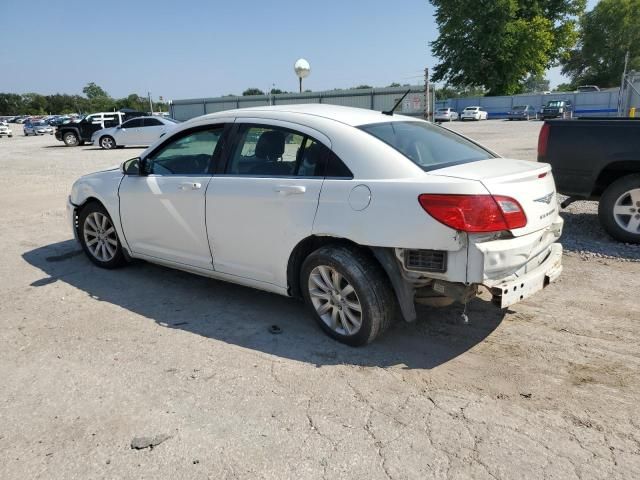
543 141
474 213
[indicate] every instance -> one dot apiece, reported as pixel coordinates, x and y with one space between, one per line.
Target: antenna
390 112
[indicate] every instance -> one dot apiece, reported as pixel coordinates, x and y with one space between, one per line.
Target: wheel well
78 208
613 172
303 249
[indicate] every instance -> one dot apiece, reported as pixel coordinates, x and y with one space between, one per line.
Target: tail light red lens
543 141
475 213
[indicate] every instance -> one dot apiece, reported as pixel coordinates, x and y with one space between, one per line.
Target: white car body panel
244 228
474 113
445 115
144 135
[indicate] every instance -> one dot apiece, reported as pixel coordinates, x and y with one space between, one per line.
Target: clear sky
194 48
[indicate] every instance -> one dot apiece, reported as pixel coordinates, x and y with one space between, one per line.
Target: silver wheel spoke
634 224
319 281
92 241
345 323
623 210
325 276
91 223
354 306
320 294
346 291
334 319
336 278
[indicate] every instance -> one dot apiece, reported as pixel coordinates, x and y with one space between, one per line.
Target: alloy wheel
335 300
626 211
106 143
100 236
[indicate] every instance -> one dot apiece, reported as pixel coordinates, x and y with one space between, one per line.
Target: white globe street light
302 69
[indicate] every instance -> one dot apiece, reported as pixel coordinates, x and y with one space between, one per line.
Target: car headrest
270 145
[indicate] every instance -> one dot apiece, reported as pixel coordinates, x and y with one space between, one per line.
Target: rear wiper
390 112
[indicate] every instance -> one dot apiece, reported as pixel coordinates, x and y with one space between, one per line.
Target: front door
163 212
265 201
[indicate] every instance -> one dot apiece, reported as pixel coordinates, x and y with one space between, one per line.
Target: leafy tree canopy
607 32
252 91
497 44
91 90
535 83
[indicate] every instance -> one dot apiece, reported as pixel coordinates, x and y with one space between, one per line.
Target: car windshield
172 120
38 123
557 103
471 109
519 108
426 145
443 110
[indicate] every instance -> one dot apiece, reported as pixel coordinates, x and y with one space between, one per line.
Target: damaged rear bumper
548 270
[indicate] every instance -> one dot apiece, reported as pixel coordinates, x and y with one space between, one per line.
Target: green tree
361 86
91 90
607 33
564 87
394 84
252 91
535 83
496 44
277 91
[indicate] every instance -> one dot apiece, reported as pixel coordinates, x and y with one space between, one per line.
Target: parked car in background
360 213
588 88
445 115
474 113
522 112
77 133
5 130
37 127
141 131
21 119
60 120
557 109
598 159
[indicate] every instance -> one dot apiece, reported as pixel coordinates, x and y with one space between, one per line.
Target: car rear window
426 145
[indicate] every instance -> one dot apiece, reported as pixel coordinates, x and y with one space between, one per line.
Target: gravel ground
147 372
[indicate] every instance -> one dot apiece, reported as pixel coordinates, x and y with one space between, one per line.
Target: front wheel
99 238
349 294
619 209
107 142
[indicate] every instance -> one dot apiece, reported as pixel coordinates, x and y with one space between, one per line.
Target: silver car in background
37 127
140 131
445 115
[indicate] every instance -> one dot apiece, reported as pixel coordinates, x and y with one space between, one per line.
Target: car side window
188 155
152 122
265 150
135 123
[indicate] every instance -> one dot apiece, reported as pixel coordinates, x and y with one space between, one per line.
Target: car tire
99 238
331 271
107 142
70 139
619 209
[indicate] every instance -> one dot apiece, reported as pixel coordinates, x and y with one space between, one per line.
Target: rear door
152 128
264 199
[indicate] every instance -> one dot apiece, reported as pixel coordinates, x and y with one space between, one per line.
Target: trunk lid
530 183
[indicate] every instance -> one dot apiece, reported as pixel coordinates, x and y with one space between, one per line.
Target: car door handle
190 186
290 189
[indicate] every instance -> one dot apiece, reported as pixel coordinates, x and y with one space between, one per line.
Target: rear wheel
98 237
350 296
619 209
70 139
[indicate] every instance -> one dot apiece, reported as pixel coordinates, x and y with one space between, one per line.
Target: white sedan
445 115
474 113
360 213
140 131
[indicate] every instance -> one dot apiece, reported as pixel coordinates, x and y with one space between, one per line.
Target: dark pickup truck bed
598 159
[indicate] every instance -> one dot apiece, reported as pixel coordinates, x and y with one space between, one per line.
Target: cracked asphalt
91 359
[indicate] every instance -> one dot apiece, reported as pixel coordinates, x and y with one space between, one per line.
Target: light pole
302 69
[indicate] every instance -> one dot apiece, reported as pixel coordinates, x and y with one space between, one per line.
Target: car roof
347 115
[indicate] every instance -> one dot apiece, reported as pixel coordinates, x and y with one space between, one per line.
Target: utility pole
622 85
427 97
150 103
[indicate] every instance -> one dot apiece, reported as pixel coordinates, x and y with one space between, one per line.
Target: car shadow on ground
242 316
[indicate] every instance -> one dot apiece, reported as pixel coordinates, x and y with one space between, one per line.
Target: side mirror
132 166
